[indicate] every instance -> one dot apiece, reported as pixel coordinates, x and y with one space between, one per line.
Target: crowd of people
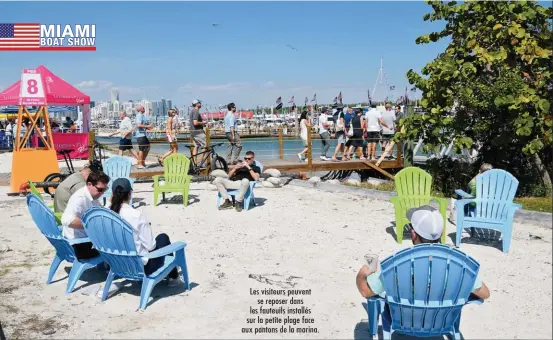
356 132
8 130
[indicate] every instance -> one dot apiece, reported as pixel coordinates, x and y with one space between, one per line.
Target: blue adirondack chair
117 167
249 197
113 237
493 206
46 223
426 288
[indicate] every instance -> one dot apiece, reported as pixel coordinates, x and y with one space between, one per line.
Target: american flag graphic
335 100
340 97
314 98
19 36
291 100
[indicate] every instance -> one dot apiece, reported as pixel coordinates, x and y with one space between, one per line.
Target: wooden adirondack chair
117 167
249 197
175 174
35 192
494 207
113 237
426 288
414 188
46 223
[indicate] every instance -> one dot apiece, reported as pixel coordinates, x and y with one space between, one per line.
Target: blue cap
123 183
324 109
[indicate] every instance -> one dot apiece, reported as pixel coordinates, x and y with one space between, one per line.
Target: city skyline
245 60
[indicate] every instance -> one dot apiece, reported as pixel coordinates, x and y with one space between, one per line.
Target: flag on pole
291 100
279 103
306 100
406 98
369 96
393 87
335 100
314 99
340 97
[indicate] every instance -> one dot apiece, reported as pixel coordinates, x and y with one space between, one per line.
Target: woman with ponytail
142 232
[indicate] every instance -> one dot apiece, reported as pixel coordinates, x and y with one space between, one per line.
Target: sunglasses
248 158
101 189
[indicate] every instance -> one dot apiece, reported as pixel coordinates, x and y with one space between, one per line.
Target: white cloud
95 85
269 84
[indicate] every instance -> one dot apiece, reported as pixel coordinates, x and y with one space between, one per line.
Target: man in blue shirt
140 134
231 131
426 227
347 121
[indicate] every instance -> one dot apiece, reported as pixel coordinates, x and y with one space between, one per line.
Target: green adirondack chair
35 192
413 187
175 174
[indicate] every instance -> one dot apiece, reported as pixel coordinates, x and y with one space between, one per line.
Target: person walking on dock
323 133
374 122
305 128
231 131
171 133
140 134
125 130
197 129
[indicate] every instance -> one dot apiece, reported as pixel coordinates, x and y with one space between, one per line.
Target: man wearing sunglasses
239 178
83 199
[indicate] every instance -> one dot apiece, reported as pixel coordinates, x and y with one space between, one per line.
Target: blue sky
171 49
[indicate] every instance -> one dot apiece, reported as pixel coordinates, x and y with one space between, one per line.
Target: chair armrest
394 199
173 247
78 240
463 194
459 204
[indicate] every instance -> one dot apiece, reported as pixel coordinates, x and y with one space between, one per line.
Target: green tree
492 87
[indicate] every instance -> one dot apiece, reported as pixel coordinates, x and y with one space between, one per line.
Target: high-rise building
163 107
114 95
169 104
92 104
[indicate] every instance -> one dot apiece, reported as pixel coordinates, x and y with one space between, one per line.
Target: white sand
296 232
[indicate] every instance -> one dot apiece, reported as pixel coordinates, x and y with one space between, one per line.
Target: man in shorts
141 139
231 131
374 120
341 136
388 117
197 129
126 130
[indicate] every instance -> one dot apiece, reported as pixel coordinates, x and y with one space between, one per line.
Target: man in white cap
426 227
197 129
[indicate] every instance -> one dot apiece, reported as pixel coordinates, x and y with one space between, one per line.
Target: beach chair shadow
113 238
89 277
162 291
178 199
481 236
392 230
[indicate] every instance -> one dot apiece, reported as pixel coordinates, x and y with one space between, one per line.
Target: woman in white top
305 128
142 232
171 133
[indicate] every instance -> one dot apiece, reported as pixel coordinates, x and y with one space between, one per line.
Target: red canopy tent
57 91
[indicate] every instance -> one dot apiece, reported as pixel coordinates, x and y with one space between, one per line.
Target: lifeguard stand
32 162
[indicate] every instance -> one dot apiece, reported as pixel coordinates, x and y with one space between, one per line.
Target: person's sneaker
238 206
226 205
174 282
324 158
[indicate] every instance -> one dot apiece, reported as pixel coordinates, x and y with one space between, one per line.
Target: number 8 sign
31 91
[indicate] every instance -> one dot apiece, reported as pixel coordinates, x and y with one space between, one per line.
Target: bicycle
217 162
60 177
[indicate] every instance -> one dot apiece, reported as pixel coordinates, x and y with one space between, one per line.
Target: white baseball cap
427 222
196 101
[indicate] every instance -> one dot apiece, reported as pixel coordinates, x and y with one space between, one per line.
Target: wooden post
91 139
309 150
399 161
280 143
207 146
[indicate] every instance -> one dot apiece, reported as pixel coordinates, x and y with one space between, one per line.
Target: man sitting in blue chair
426 227
239 178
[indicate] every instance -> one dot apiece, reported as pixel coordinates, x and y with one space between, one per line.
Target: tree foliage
493 84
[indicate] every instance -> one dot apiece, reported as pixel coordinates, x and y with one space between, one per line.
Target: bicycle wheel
219 163
53 178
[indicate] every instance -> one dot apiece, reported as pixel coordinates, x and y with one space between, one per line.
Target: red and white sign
31 90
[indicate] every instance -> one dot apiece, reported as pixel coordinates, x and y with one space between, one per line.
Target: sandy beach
297 238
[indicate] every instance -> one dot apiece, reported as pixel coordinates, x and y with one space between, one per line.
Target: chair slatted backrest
495 191
46 222
258 163
113 237
117 167
414 186
175 165
427 286
34 190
